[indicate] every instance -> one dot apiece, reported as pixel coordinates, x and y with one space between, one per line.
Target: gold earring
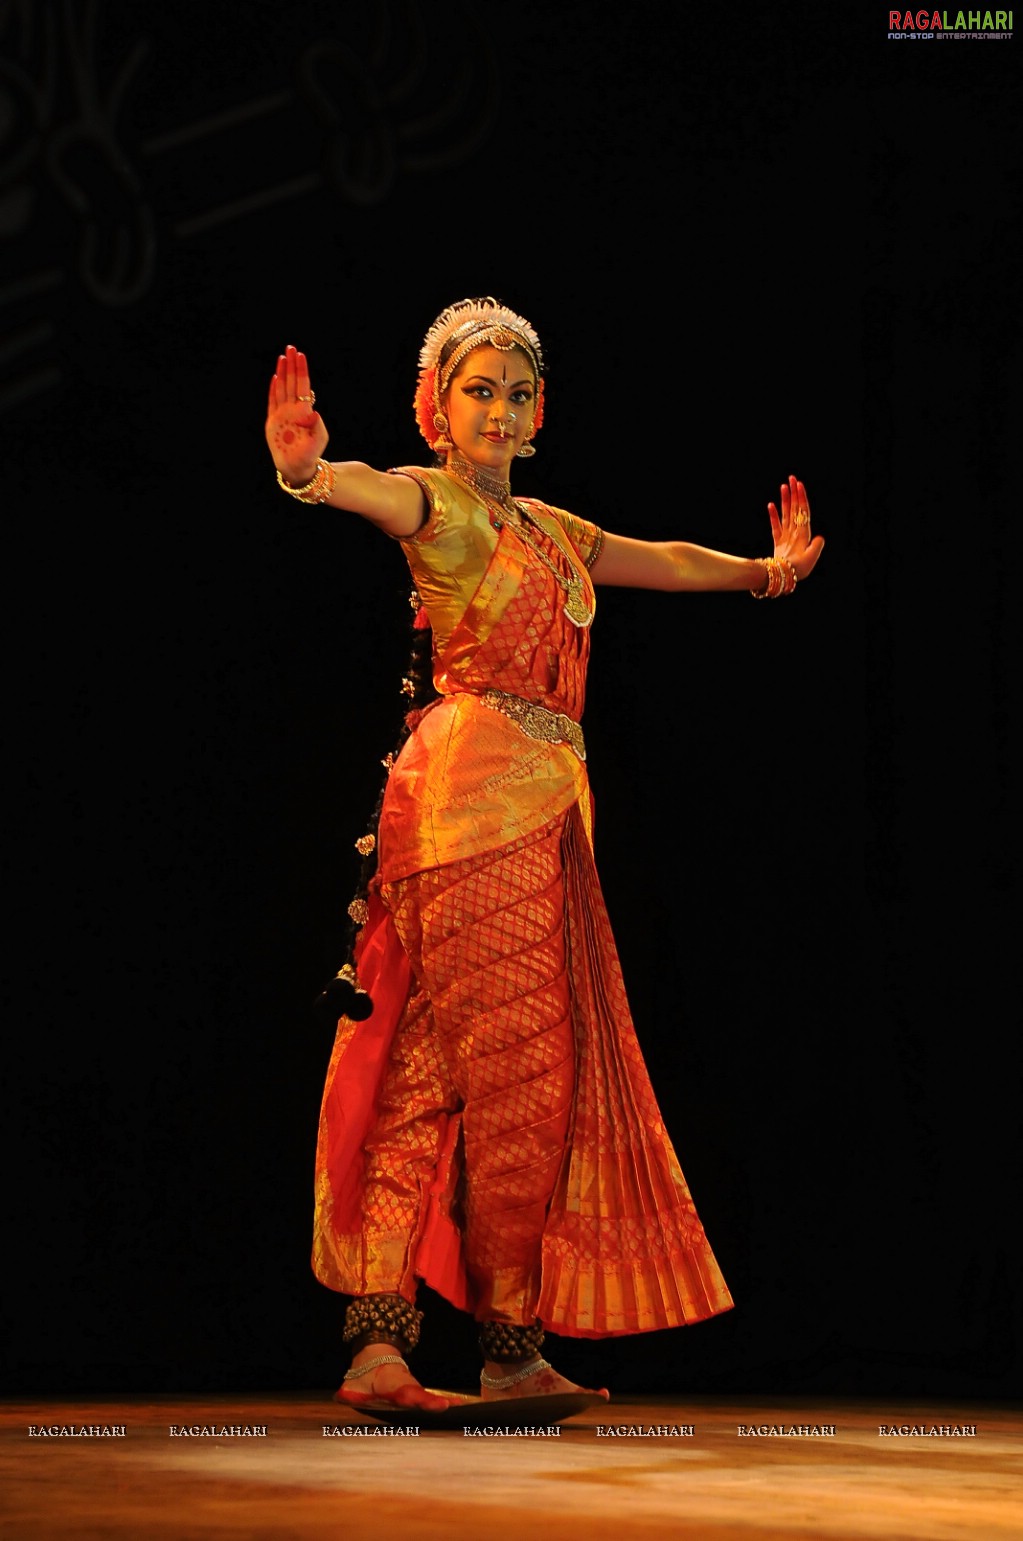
442 441
526 450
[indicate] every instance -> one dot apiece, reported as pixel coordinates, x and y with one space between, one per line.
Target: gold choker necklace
484 482
495 490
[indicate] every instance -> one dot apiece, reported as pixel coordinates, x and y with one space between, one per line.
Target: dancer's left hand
791 529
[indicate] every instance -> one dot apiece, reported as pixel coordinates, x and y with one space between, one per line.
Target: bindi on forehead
490 363
492 381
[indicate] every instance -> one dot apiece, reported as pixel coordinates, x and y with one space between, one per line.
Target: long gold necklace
494 490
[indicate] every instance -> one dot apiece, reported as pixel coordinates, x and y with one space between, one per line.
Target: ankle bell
389 1319
505 1343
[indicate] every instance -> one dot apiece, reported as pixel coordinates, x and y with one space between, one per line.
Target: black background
752 244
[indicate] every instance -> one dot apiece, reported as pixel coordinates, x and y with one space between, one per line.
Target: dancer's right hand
295 432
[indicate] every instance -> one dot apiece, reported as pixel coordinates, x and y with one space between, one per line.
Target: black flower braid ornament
344 996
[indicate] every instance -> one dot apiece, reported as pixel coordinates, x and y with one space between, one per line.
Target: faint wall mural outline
73 158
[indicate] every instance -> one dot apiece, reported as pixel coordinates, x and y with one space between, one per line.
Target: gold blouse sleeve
450 552
435 490
587 538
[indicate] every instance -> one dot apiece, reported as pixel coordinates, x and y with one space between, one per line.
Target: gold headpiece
469 324
458 330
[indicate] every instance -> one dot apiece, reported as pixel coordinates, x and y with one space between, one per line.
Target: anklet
496 1382
374 1364
386 1319
504 1343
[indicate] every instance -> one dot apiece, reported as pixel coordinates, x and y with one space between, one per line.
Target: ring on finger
311 397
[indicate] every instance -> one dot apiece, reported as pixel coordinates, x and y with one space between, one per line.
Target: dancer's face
490 403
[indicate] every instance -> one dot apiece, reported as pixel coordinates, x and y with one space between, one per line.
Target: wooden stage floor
679 1468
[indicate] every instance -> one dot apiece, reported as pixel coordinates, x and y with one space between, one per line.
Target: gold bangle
781 578
298 492
317 489
770 566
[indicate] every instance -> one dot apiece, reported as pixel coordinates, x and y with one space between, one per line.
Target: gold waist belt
538 721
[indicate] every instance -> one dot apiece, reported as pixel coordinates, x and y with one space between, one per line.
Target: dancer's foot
543 1381
385 1380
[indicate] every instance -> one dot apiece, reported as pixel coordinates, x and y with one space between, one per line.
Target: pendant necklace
494 490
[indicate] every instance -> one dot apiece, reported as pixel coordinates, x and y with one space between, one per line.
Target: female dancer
488 1124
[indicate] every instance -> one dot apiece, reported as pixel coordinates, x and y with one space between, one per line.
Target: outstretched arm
297 438
678 566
